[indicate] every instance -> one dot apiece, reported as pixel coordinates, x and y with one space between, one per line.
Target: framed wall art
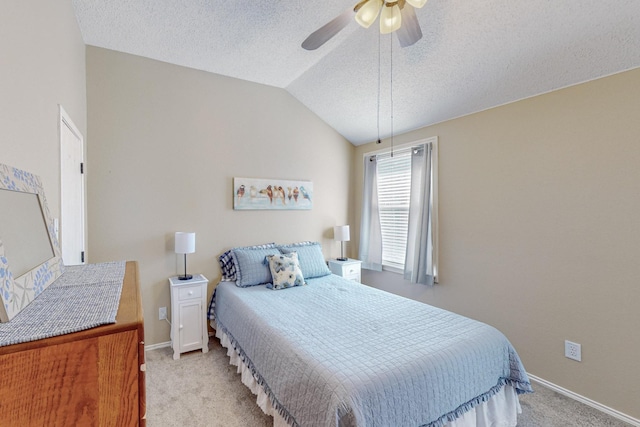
263 193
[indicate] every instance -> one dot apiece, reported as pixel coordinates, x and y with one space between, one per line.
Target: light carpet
205 390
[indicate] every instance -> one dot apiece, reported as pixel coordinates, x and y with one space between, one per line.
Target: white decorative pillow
285 271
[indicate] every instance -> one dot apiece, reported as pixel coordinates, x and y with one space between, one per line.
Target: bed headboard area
30 258
247 265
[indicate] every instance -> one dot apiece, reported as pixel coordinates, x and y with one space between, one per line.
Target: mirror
29 252
23 231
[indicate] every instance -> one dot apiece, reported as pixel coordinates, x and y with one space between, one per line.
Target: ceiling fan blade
410 31
330 29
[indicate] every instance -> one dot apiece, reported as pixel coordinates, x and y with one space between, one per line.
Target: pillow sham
250 267
285 271
228 267
310 256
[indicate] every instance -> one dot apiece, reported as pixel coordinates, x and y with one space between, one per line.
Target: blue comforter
338 353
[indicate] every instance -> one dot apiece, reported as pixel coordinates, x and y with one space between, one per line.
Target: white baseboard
600 407
165 344
156 346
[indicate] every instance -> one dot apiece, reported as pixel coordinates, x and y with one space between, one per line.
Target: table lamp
185 244
341 234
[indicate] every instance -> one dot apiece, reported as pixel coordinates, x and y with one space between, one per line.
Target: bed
326 351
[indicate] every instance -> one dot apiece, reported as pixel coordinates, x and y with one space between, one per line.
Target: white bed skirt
500 411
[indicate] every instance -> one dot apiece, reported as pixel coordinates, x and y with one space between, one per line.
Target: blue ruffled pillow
310 256
285 271
228 266
250 267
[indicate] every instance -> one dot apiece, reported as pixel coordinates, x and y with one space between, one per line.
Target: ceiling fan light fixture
367 12
390 18
417 3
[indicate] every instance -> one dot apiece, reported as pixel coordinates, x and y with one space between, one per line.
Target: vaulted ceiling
473 55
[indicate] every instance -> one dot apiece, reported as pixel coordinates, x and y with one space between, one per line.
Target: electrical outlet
162 313
573 350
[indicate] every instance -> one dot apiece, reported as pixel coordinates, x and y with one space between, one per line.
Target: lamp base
341 259
185 277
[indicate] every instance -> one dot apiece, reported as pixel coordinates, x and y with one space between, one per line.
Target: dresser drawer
191 292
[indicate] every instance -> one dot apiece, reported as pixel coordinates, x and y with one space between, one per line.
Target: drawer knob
181 326
190 292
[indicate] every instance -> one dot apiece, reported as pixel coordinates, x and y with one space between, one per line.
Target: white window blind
394 184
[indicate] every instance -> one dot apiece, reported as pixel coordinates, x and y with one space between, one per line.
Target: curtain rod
401 151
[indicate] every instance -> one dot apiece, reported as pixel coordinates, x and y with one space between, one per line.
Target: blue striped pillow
251 269
310 256
228 266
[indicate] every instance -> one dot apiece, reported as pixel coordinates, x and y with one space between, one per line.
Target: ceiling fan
395 15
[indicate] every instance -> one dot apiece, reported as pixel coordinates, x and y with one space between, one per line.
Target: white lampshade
417 3
368 13
341 233
185 242
390 18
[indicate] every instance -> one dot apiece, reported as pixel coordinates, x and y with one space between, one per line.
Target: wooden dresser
94 377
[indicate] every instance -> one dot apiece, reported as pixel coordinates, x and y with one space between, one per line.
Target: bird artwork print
256 194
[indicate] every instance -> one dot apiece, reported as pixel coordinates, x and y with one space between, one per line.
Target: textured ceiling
474 55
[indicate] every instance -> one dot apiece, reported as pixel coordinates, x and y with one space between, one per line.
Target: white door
72 191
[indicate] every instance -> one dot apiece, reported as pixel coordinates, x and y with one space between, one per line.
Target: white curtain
370 232
419 259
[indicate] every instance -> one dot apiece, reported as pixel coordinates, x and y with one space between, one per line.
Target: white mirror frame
18 292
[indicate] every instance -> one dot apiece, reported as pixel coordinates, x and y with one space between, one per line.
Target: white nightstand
189 315
349 269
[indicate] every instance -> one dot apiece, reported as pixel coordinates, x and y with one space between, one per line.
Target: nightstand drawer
354 276
349 269
190 293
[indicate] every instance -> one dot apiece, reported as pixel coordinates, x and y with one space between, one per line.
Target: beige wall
42 64
164 145
540 231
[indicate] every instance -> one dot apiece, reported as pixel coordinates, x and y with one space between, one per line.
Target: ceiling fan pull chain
378 113
391 73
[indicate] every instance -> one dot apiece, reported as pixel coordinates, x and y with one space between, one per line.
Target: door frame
65 120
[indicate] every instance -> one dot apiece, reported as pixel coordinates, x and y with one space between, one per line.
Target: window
394 189
399 222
